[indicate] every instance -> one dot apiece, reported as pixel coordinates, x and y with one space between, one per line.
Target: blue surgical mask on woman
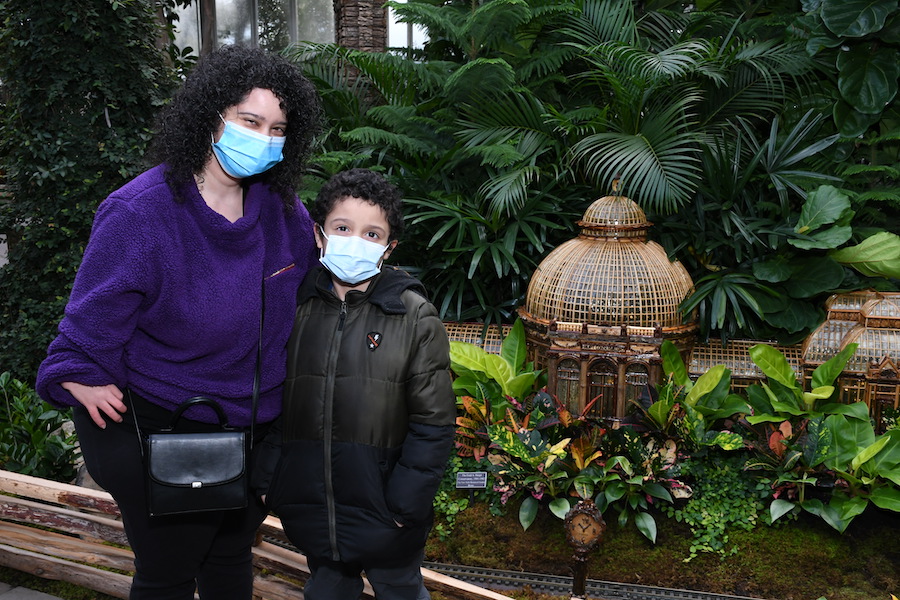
352 259
243 152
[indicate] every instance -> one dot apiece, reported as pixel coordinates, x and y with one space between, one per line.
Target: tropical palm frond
674 62
546 62
660 176
752 80
482 77
508 191
578 122
601 21
493 24
519 110
372 136
779 154
397 79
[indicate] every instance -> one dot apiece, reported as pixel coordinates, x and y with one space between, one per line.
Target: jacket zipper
328 424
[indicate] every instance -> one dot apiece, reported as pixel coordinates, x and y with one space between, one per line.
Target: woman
168 299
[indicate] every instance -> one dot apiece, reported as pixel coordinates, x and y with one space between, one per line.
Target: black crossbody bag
199 472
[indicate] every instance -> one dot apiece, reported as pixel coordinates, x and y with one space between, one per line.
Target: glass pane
187 27
274 26
567 376
602 382
636 380
234 22
315 21
404 35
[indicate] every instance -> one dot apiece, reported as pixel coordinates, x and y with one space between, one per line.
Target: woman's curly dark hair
223 79
366 185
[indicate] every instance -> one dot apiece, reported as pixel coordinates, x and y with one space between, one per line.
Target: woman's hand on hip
99 401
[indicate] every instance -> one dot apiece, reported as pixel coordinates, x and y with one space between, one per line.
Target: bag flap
196 459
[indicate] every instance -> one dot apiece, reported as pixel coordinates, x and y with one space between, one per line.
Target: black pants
331 580
174 555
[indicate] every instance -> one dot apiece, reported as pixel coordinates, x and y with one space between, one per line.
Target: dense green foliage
80 86
32 439
700 453
722 120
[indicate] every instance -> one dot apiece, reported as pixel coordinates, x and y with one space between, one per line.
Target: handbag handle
199 401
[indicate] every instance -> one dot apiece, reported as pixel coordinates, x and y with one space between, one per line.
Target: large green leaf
852 123
814 275
876 256
795 315
498 369
779 508
673 364
528 511
657 491
706 383
825 239
646 524
868 77
467 356
856 18
882 455
849 438
513 347
827 372
887 498
713 407
823 206
560 507
773 270
659 411
773 364
519 386
893 475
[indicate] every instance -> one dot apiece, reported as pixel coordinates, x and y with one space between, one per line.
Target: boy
369 409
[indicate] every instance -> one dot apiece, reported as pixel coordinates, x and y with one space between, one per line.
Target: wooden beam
66 547
60 493
62 519
47 567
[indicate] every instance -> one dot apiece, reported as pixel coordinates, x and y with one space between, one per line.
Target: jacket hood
384 291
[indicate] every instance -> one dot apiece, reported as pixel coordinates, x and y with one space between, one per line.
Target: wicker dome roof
610 274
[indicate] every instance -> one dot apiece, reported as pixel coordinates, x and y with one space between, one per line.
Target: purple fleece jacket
167 300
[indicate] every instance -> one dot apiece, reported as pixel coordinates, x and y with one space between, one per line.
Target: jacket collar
384 291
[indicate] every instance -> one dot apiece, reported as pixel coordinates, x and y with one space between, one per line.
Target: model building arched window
602 375
637 378
568 375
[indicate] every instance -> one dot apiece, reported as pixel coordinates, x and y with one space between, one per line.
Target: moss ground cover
801 560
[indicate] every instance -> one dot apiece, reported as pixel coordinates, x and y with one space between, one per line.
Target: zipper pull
343 315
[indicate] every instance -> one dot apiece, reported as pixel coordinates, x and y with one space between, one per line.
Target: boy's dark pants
330 580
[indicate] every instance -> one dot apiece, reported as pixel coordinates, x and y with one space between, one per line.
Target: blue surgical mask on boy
243 152
352 259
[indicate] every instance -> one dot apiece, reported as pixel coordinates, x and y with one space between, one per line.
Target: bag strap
256 376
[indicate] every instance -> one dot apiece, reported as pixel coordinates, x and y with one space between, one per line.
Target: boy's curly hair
366 185
223 79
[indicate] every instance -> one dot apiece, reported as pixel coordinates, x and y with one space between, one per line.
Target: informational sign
471 480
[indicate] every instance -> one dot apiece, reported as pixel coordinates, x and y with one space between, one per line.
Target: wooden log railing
74 534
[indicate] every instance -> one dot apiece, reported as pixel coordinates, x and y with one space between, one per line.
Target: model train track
557 585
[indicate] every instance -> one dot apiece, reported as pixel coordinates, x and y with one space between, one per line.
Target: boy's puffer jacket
368 423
